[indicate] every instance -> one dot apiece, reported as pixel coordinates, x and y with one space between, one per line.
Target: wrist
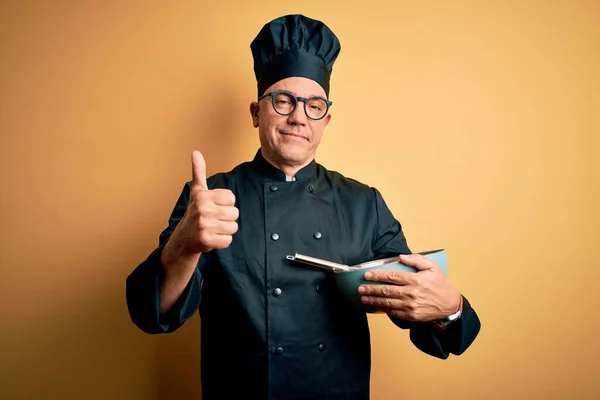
455 315
176 252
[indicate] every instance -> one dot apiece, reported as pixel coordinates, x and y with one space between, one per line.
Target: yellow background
478 121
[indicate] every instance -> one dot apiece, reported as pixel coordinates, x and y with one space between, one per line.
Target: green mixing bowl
349 281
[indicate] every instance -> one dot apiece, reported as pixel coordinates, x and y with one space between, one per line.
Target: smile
296 135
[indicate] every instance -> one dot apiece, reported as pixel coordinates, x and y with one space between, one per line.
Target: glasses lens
316 108
284 103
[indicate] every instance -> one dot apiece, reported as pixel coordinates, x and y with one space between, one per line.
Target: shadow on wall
214 131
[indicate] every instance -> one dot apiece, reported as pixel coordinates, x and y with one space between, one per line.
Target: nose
299 115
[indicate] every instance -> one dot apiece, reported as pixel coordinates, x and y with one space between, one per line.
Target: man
272 329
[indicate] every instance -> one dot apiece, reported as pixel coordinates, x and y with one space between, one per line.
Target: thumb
199 170
416 261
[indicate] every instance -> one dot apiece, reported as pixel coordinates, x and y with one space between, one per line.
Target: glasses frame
296 100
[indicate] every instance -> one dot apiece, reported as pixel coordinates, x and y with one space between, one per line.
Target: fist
210 219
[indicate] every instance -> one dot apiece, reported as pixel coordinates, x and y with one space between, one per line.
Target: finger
417 261
223 197
221 241
227 213
390 276
199 170
392 291
226 227
384 303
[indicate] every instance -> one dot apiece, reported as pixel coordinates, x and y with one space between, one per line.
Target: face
291 140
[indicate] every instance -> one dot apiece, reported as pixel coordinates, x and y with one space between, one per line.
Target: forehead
298 86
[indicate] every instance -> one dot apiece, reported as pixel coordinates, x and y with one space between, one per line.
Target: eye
317 105
284 98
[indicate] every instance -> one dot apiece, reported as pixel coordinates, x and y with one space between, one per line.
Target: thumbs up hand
210 219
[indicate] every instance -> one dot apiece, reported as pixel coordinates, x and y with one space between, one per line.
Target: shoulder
346 185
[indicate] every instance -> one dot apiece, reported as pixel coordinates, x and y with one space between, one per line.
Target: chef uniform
270 328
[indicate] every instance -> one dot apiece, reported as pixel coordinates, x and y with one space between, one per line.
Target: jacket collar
263 167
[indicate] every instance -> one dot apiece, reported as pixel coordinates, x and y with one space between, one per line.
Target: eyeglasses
285 103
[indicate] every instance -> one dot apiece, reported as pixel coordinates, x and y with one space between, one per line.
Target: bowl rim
383 261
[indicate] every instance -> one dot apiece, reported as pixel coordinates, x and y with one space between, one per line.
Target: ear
254 109
327 119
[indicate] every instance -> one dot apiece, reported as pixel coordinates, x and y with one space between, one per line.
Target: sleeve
456 338
142 285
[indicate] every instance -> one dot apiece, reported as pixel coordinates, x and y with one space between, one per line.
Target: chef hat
294 45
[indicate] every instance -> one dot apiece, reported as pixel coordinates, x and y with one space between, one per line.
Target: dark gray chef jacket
272 329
